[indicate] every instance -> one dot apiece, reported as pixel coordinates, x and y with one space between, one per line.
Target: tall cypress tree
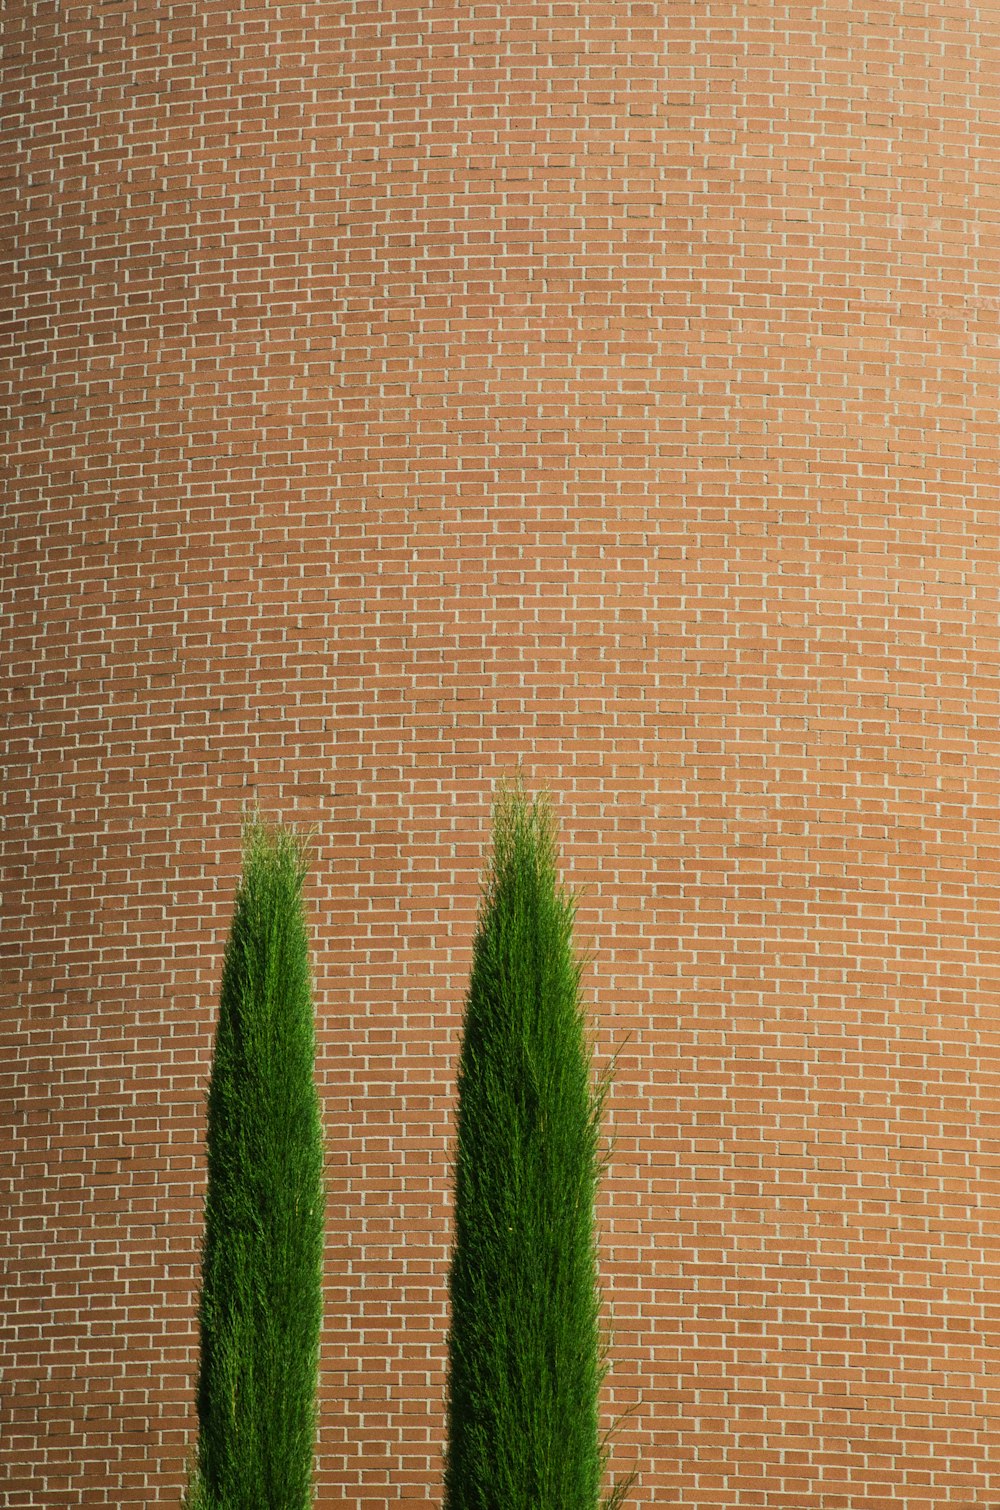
262 1257
525 1356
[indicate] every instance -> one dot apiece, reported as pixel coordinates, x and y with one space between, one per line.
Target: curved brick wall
398 389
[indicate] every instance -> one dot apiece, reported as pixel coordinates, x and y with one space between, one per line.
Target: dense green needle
525 1360
262 1260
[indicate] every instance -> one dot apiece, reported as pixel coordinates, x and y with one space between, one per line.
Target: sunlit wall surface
393 392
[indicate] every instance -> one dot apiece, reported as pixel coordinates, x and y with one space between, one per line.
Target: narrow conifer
525 1355
262 1257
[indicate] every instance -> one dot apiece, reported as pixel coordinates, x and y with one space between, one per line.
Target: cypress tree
262 1255
525 1353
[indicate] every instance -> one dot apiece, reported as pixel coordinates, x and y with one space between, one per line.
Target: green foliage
262 1259
525 1353
195 1495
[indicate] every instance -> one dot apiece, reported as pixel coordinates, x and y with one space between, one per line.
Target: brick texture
395 390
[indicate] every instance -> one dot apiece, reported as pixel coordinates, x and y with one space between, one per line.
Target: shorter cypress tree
262 1257
525 1357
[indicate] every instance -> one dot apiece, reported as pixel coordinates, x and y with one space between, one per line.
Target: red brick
392 393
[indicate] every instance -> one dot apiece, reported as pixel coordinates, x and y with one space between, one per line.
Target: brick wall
397 390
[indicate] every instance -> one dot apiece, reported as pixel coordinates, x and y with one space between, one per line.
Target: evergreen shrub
526 1357
262 1256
